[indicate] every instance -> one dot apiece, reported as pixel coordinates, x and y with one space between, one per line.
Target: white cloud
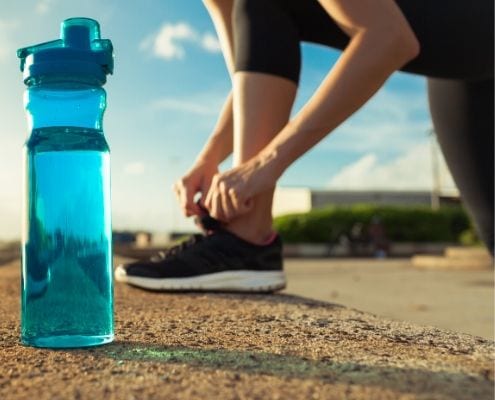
410 171
210 43
135 168
168 42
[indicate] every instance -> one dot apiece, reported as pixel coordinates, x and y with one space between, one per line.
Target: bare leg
262 105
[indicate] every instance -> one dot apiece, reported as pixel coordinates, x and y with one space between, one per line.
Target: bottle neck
65 104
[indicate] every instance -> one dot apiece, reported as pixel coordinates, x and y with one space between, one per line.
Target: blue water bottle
67 288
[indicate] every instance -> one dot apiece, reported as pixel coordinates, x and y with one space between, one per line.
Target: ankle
252 234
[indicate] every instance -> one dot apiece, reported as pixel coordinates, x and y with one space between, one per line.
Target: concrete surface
231 346
461 301
455 258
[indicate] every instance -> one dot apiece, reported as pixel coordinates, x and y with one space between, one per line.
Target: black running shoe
220 261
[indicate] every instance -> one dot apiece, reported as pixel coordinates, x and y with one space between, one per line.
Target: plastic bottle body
67 287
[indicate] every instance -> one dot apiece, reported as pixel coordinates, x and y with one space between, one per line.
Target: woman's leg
267 64
262 105
462 114
267 35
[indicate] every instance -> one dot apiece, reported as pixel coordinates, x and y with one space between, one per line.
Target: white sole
230 281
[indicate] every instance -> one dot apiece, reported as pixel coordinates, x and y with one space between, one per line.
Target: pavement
458 300
233 346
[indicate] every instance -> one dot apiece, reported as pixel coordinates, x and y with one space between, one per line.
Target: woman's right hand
196 180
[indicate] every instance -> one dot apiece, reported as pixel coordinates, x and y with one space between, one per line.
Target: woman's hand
219 145
196 180
231 192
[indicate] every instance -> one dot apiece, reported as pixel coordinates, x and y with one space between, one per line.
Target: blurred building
299 200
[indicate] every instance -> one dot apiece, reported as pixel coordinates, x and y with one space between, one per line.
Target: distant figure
378 238
450 42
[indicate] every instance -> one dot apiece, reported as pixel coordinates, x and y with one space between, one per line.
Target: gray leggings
456 55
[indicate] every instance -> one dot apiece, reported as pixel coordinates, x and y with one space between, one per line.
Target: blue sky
163 99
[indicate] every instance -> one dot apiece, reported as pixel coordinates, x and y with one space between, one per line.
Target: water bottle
67 287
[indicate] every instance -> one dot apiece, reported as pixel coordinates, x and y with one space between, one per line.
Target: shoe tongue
208 224
192 240
158 256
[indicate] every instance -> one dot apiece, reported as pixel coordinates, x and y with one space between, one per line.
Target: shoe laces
177 249
205 221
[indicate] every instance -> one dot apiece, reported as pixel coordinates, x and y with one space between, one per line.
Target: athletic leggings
456 39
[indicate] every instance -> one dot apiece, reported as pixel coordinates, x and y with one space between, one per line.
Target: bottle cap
79 54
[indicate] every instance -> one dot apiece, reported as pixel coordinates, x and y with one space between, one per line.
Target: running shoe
217 261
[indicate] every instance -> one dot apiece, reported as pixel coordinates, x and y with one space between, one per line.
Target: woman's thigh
456 37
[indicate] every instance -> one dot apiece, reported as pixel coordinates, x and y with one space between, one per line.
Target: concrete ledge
407 249
232 346
467 252
310 250
403 249
440 262
456 258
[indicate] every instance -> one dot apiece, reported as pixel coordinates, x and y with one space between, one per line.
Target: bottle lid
80 53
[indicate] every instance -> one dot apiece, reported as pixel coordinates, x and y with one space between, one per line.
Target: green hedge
402 224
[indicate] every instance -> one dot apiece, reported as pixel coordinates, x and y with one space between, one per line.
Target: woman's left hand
231 193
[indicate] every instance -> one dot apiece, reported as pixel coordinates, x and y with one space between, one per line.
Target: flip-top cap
80 53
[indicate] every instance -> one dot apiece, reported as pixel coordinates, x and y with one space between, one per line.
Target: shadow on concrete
278 297
433 384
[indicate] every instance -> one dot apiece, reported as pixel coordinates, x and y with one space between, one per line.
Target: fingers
185 195
227 211
205 188
225 203
208 201
241 206
196 181
216 203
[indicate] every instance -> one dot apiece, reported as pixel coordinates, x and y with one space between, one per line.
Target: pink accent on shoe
270 239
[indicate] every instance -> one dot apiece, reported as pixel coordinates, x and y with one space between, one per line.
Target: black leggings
456 55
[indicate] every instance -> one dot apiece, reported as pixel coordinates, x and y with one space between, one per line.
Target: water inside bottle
67 259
